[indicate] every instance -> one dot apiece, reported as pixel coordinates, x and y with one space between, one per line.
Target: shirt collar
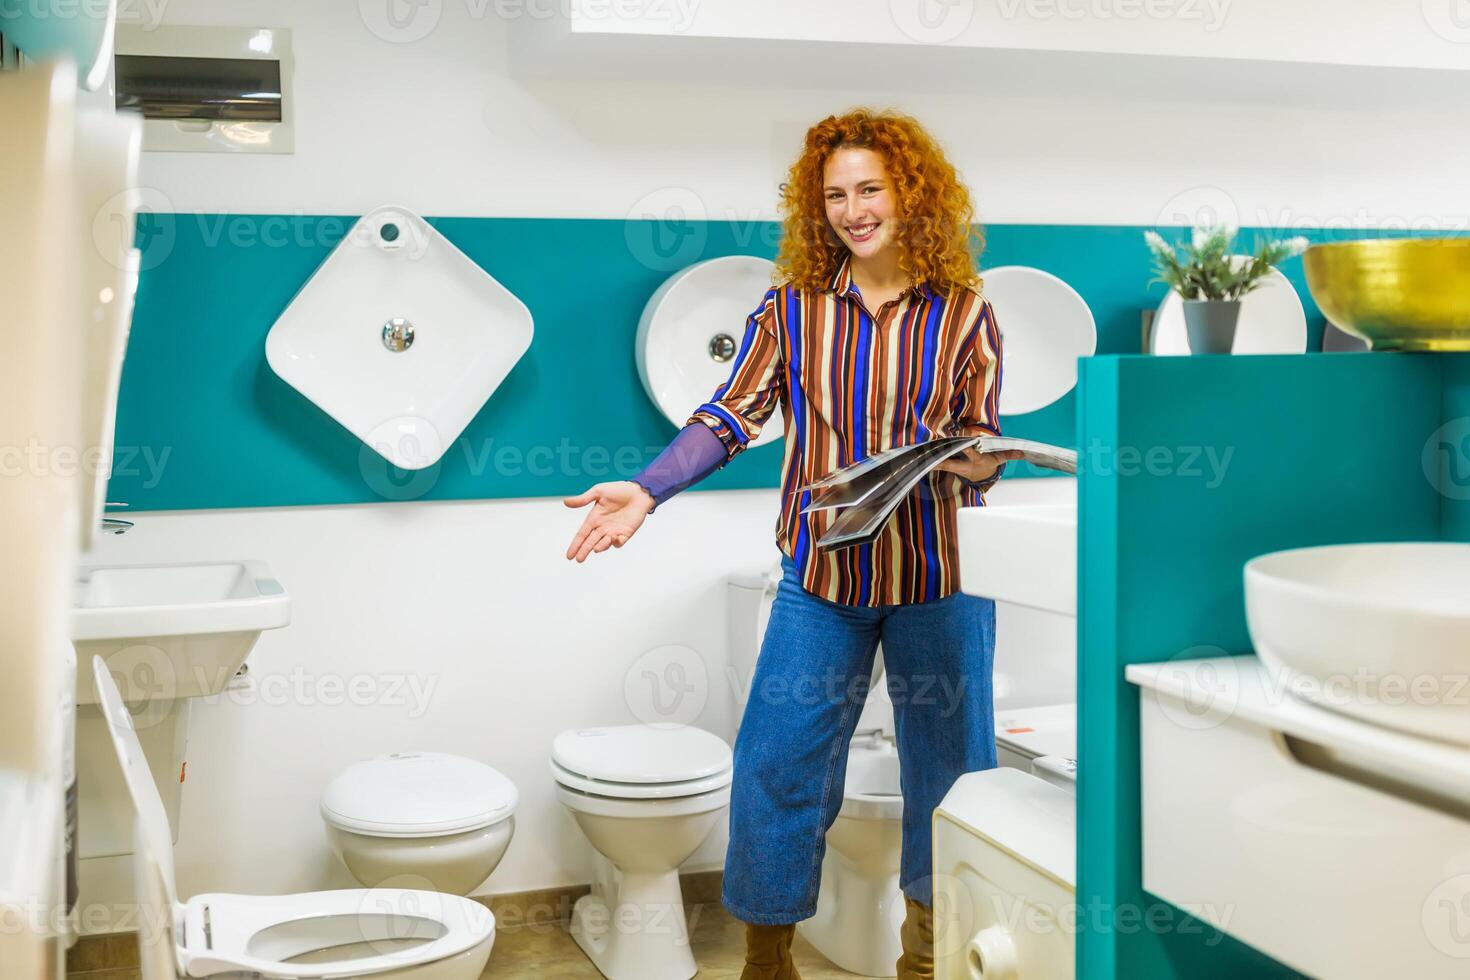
843 285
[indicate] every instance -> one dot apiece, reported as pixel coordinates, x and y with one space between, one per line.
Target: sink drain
722 347
398 334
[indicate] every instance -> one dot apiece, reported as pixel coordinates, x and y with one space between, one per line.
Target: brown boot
917 935
768 953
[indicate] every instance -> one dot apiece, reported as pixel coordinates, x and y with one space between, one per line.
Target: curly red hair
938 241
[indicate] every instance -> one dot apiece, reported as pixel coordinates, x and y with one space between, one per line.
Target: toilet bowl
859 907
420 819
859 910
382 933
645 797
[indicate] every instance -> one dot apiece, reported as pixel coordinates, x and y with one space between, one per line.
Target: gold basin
1395 293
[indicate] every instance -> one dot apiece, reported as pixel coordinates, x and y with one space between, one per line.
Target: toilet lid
641 753
417 794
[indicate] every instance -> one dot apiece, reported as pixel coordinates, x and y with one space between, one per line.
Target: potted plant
1210 280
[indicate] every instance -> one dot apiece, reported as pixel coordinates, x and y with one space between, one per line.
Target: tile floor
545 951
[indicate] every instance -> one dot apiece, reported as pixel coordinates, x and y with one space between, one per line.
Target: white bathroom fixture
420 817
1025 736
108 145
1045 326
646 797
1005 869
1038 542
1378 631
691 330
387 933
192 624
400 337
859 910
1272 320
1333 844
168 633
207 88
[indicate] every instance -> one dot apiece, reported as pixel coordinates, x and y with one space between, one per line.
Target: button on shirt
850 383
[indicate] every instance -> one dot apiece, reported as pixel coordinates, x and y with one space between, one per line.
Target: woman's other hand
618 511
977 467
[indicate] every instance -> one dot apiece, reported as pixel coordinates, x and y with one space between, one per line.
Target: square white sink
172 631
400 337
1023 549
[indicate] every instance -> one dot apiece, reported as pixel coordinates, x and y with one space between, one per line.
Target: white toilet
646 797
420 819
382 933
859 908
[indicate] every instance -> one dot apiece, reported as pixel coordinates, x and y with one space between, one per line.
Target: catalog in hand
867 492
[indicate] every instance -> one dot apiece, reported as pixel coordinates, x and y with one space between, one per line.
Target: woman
876 336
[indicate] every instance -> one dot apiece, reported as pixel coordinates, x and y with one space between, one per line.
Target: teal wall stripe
203 422
1322 449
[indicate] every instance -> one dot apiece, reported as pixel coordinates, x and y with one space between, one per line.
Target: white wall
476 597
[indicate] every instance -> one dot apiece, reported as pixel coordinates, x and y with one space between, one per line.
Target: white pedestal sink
1022 546
168 633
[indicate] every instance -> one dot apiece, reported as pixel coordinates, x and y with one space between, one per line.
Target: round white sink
1380 631
691 330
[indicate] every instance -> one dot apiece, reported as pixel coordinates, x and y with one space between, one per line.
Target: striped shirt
853 382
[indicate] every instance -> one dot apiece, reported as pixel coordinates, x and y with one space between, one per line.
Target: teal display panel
1254 455
204 423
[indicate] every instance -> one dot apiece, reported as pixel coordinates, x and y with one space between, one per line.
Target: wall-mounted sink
1023 551
191 624
691 330
400 337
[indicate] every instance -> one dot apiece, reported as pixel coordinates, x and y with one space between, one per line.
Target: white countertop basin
173 630
1022 548
1378 631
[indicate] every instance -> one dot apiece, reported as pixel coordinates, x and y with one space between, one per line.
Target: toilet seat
417 794
260 933
639 791
641 762
220 933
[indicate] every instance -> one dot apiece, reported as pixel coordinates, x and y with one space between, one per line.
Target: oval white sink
1379 631
691 329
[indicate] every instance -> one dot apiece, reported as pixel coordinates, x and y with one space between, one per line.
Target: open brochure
866 493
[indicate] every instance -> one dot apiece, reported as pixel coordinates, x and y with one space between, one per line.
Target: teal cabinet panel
1252 455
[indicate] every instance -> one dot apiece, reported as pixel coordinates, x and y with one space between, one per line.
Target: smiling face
861 206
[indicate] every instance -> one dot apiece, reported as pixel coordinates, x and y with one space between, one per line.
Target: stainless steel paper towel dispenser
210 89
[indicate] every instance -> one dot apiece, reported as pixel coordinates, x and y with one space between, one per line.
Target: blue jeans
809 686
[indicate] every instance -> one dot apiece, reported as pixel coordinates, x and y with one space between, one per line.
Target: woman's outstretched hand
618 511
976 466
